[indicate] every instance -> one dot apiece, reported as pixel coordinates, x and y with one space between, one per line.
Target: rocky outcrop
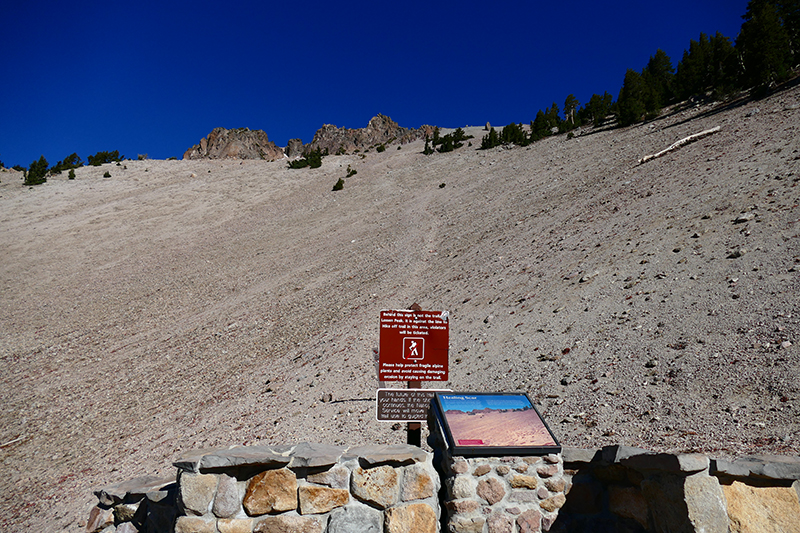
380 130
294 148
239 143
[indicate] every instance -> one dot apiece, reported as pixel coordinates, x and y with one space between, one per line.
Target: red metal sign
414 346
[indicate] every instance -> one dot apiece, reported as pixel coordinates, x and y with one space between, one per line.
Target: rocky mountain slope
239 143
186 304
380 130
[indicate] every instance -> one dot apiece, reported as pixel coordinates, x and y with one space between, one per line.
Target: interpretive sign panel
493 424
404 405
413 346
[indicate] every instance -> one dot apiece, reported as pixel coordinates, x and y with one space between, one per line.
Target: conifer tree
570 106
37 172
764 46
631 100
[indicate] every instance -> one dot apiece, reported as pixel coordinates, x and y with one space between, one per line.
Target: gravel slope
185 304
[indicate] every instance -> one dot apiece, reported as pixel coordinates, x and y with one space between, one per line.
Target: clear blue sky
154 77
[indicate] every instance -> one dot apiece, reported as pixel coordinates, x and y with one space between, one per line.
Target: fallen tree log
679 144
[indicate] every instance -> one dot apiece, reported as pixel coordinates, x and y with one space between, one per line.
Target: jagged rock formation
294 148
239 143
380 130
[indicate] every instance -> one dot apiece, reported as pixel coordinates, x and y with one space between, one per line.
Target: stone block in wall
271 491
628 502
356 519
131 491
379 486
393 454
417 484
235 525
553 503
337 477
491 489
500 523
195 524
161 509
216 459
683 463
196 492
524 482
315 455
462 486
767 467
753 509
460 524
315 499
288 523
686 503
530 521
411 518
227 501
585 496
99 519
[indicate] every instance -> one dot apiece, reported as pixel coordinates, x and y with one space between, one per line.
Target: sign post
414 348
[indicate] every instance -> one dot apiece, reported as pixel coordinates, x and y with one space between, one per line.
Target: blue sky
154 77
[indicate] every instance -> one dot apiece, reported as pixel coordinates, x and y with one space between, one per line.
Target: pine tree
660 75
37 172
631 100
490 140
570 106
764 46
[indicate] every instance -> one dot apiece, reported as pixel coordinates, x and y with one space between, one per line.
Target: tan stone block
417 484
462 487
412 518
197 491
628 502
524 482
686 503
463 506
554 503
492 490
99 519
762 509
316 500
481 470
461 467
195 524
466 525
235 525
555 485
288 523
270 491
379 485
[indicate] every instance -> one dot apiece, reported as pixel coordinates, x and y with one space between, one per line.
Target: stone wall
303 488
317 488
620 488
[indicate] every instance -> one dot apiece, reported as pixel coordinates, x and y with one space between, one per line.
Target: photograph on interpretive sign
493 423
413 345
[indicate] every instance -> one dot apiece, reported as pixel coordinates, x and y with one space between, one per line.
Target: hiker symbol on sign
414 348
